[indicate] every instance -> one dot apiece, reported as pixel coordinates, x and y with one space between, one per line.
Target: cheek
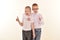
26 12
34 10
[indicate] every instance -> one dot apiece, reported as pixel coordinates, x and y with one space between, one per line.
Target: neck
35 12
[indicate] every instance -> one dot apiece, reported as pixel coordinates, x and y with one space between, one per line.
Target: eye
35 8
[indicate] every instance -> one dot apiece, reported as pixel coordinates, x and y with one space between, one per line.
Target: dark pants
27 35
38 34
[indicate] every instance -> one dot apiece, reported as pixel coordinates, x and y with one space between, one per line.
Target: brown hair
28 7
35 4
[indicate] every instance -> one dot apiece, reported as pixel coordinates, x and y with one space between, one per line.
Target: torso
27 22
36 20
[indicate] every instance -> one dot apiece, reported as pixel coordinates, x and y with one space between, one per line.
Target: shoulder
39 14
32 14
24 15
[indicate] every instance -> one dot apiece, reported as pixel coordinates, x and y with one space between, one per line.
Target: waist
37 26
26 29
38 29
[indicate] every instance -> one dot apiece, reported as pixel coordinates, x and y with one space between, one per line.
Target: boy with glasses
38 21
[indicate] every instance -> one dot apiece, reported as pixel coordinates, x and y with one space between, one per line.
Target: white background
10 9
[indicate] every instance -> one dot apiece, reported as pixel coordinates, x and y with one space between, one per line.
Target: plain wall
10 9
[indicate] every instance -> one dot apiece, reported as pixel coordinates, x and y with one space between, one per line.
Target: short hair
28 7
35 4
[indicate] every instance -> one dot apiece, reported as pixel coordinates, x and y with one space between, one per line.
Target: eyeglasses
35 9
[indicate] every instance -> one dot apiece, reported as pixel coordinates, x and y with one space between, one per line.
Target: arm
41 19
33 30
20 23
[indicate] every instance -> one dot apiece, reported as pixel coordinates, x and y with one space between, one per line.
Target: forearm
20 23
33 29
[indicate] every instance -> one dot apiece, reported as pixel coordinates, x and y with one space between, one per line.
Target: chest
27 19
36 17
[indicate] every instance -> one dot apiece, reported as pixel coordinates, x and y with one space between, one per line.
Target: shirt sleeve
40 16
41 19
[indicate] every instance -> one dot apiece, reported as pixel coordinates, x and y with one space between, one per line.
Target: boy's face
27 11
35 9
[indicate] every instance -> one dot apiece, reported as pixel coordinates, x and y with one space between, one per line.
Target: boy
27 23
37 21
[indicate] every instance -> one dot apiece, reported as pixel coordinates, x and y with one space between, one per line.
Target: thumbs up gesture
17 19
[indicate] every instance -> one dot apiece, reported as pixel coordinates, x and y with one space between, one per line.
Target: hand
39 19
34 35
17 19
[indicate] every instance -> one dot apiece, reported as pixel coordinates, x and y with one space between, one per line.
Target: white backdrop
10 9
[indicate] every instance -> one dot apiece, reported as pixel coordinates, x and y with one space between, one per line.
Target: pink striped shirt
38 20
